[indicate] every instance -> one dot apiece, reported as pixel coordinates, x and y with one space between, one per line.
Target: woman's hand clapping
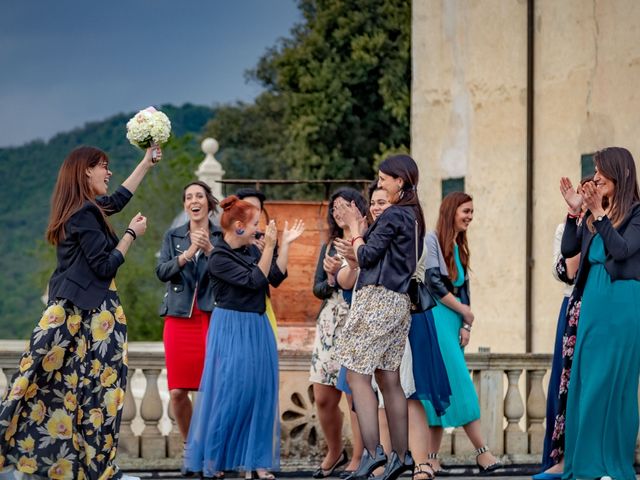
593 199
200 240
291 234
573 199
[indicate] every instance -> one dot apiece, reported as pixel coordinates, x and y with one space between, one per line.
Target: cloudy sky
67 62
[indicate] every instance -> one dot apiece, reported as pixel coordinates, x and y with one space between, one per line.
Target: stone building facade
507 96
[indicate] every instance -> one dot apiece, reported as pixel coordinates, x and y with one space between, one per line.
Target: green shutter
587 164
452 185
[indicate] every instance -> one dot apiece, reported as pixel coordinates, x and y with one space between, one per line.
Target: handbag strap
415 273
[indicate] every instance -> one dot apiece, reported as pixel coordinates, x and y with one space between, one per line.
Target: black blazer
238 283
622 246
87 258
181 281
388 257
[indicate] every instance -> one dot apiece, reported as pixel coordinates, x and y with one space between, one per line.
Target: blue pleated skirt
235 424
429 371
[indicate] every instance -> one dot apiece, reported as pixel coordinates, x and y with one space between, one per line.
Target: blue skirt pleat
429 371
235 423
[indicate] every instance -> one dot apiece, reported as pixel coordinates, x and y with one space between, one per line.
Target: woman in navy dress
235 424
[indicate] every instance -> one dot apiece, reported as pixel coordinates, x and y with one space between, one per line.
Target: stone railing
511 389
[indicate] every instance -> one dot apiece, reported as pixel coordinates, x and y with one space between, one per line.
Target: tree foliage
28 174
345 78
336 99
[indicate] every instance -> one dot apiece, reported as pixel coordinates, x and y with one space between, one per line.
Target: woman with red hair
235 424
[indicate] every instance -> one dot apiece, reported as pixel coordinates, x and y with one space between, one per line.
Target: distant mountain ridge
28 174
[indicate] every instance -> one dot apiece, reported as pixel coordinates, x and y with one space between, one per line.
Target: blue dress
602 406
464 407
235 423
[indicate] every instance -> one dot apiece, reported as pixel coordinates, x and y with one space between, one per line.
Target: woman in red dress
188 302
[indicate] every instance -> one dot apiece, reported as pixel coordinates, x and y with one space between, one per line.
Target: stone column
152 443
536 411
210 171
515 438
128 444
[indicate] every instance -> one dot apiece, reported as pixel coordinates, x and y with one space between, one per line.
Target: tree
344 77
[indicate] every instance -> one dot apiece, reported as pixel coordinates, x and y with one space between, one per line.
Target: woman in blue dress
447 264
601 423
235 424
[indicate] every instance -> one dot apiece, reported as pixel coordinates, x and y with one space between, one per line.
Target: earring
239 231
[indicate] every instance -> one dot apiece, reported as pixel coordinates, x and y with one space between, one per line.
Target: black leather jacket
388 257
622 246
182 281
87 257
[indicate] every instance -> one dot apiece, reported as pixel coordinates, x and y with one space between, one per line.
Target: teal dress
464 407
602 406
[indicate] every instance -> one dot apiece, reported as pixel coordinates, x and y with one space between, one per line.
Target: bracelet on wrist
573 215
131 232
353 240
466 326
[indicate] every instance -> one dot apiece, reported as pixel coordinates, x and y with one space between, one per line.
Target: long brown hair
445 229
72 190
617 165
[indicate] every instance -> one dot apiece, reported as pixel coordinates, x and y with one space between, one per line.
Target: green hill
28 174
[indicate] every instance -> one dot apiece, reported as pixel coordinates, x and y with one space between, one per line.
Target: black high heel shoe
322 473
395 467
368 464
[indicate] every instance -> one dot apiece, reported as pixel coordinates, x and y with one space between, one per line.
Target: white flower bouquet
148 127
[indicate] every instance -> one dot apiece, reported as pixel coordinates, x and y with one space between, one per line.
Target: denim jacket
182 281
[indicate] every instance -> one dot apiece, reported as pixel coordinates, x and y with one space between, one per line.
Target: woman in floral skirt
61 415
329 285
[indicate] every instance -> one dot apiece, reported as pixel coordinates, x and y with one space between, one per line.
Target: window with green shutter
452 185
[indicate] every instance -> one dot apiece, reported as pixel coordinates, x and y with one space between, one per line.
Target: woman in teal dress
601 424
447 263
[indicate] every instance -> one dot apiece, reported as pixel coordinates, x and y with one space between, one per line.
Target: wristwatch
599 218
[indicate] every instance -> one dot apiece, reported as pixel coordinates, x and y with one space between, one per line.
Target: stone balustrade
511 389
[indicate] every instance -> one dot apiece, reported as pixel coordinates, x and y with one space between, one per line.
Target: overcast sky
67 62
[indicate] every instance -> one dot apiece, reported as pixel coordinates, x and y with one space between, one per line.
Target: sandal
440 472
489 468
266 476
419 473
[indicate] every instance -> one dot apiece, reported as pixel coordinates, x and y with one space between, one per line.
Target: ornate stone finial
210 170
210 146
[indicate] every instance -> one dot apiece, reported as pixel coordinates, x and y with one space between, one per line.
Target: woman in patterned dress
329 286
61 415
373 339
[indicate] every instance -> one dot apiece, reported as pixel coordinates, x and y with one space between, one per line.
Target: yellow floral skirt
61 414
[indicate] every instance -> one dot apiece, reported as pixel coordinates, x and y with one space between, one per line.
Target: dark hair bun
228 202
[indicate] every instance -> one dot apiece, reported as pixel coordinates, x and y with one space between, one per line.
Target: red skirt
185 340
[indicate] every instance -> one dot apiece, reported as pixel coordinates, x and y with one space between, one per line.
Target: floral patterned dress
61 415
